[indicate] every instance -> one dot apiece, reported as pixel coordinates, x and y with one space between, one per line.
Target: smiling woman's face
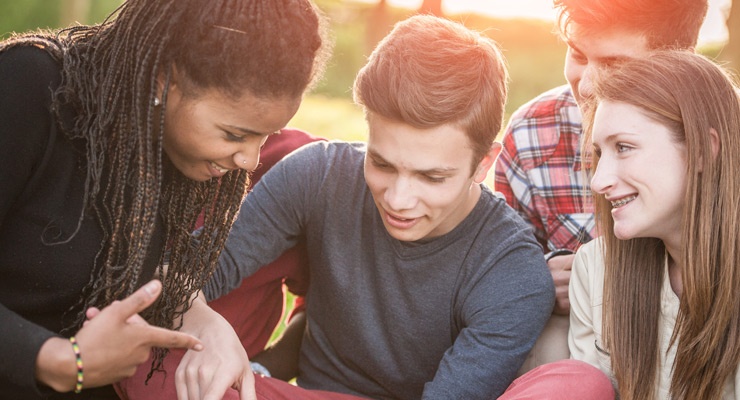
641 171
210 133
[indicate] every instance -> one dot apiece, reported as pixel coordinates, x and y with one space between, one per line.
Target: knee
570 379
581 380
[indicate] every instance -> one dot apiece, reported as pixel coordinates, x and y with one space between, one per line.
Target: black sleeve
28 76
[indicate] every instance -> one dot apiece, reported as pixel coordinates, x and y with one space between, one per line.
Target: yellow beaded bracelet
80 378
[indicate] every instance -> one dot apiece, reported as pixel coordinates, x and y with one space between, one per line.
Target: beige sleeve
585 295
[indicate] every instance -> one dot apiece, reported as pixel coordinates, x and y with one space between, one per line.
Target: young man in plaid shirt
541 171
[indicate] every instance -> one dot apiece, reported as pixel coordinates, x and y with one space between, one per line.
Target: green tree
731 51
74 11
21 16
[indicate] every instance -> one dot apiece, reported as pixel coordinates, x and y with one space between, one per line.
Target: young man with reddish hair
541 170
423 283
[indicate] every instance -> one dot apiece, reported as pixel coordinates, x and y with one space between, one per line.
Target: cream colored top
586 294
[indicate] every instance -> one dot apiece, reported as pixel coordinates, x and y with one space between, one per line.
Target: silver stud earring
157 102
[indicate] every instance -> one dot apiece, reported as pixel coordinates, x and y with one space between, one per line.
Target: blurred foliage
331 117
534 53
24 15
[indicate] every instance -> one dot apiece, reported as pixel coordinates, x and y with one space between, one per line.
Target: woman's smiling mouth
623 201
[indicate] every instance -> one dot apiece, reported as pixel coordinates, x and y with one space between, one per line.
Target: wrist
258 368
55 365
557 252
198 309
204 322
78 364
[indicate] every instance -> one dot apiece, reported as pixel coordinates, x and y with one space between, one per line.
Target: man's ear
486 163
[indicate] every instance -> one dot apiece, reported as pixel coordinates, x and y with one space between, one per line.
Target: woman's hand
112 344
223 364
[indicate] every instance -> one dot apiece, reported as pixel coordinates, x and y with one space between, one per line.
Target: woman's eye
233 138
621 148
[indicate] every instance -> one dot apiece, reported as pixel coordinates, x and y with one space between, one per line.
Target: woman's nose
248 159
603 178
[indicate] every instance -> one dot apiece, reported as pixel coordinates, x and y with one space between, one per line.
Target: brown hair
666 24
691 96
430 71
267 48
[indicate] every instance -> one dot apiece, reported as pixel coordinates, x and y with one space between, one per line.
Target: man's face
590 50
420 179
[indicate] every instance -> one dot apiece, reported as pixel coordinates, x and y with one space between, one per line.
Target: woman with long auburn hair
654 299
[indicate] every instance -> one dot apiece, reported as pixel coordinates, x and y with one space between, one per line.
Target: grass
331 117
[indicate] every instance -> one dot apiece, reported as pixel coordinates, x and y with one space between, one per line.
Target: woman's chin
623 234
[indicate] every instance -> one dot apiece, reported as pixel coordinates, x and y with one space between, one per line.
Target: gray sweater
449 318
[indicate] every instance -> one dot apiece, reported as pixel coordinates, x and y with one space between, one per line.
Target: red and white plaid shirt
539 171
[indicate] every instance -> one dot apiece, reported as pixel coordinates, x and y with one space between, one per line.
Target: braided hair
266 48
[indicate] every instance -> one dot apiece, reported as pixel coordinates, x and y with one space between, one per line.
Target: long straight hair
691 96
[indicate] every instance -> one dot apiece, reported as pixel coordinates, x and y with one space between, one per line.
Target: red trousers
560 380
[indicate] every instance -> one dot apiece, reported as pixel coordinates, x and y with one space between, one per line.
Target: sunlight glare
540 9
713 30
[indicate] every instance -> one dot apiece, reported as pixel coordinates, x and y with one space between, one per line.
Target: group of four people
419 281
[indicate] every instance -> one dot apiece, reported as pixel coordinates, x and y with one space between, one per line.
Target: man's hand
560 267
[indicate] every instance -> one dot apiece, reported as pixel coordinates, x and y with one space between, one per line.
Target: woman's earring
157 102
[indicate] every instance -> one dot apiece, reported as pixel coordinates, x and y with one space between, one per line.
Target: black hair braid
123 153
176 199
268 48
122 125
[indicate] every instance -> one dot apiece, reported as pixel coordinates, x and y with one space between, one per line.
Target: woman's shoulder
30 60
30 75
589 261
592 249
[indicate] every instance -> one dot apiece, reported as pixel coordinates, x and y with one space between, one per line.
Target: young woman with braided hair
113 139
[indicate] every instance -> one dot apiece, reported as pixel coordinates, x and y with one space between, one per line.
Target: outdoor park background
523 28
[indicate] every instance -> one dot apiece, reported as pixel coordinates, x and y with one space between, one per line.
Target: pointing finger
160 337
139 300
